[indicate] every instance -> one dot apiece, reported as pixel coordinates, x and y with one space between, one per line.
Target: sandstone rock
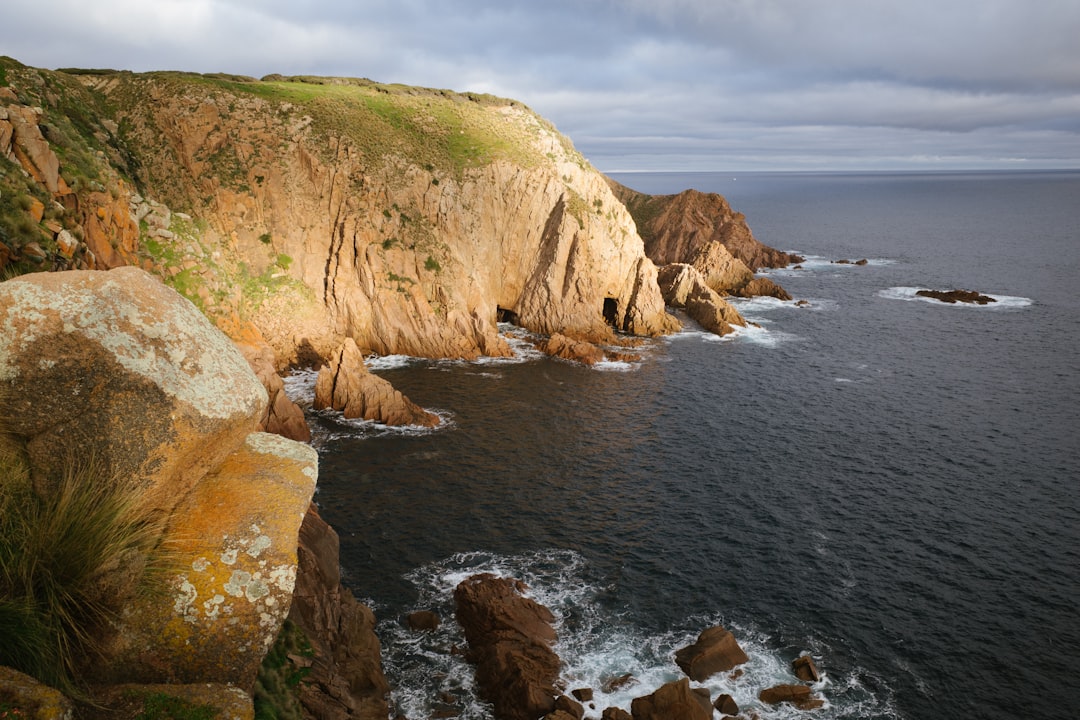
346 678
510 638
30 147
575 350
233 540
66 244
570 707
726 705
762 286
615 713
798 695
955 296
37 210
118 363
583 694
282 416
675 226
32 698
805 669
683 286
423 620
346 385
716 650
34 252
673 701
721 270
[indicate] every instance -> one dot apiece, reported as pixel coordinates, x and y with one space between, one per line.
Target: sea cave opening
504 315
611 312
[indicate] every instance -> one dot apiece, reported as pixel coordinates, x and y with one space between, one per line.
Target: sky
649 85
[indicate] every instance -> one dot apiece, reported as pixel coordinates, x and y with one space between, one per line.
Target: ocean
888 483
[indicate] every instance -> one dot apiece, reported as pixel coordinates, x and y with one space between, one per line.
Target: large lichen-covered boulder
232 541
29 698
118 365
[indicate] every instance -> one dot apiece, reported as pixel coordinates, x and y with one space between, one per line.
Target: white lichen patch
238 583
301 453
149 329
184 602
200 564
259 544
284 577
229 556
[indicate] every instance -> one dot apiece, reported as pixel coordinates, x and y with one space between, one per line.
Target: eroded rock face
510 638
673 701
233 541
682 286
674 227
716 650
346 678
282 416
118 365
346 385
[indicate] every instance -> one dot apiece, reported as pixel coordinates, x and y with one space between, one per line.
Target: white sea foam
375 363
595 644
1002 302
820 263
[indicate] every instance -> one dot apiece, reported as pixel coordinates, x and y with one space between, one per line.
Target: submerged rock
510 638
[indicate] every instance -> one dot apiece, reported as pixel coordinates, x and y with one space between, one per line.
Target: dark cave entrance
611 312
504 315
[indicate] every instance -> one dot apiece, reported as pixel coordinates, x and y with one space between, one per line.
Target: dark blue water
889 484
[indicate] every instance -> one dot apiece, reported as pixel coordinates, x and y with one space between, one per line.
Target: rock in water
682 286
346 385
510 639
673 701
575 350
119 364
955 296
798 695
805 669
716 650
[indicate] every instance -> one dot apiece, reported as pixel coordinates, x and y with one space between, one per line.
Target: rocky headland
170 243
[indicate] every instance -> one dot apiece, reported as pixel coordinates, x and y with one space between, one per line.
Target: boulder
117 365
805 669
510 638
226 702
346 385
721 270
612 684
232 543
762 287
571 707
583 694
345 678
31 698
282 416
30 147
716 650
798 695
673 701
566 348
726 705
682 286
615 713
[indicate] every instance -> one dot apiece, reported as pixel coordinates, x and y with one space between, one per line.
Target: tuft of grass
59 557
278 684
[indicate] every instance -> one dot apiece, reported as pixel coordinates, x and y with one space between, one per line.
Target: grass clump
161 706
278 684
59 557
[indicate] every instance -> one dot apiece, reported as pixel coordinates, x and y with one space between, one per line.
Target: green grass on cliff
59 556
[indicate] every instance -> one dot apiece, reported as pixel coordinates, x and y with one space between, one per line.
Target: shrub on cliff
68 560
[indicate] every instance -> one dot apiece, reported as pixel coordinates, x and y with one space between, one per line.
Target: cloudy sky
649 84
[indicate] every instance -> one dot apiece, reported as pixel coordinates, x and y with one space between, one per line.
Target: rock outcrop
957 296
716 650
682 286
675 227
510 638
345 677
346 385
673 701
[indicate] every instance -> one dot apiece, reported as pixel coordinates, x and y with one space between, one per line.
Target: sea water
887 483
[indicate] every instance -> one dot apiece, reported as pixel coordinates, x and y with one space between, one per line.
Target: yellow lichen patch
234 539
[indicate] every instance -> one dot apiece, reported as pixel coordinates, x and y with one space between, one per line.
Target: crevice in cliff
611 312
504 315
